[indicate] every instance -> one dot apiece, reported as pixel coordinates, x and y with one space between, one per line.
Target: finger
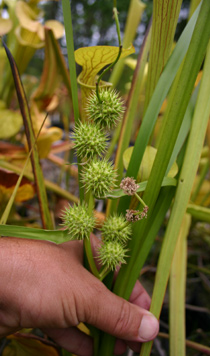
72 340
120 347
134 346
116 316
140 297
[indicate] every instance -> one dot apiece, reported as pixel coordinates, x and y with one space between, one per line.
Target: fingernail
149 327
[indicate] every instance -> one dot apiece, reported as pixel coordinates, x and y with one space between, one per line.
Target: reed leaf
188 172
177 291
37 171
156 102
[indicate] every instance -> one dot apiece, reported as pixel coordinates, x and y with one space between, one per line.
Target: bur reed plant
136 210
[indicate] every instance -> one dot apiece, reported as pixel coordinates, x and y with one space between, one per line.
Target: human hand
43 285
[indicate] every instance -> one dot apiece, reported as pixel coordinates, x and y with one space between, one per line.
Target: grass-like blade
38 175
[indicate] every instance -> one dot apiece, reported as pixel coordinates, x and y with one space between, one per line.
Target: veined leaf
56 236
92 60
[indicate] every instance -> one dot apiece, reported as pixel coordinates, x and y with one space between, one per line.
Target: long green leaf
187 175
57 236
175 115
38 175
165 17
72 68
156 101
177 292
162 206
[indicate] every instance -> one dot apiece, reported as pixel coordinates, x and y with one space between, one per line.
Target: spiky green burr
116 228
112 254
99 176
79 221
89 139
107 113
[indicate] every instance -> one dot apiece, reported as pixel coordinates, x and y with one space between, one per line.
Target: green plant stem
90 258
203 349
140 200
118 56
202 176
199 269
198 212
87 243
73 76
103 273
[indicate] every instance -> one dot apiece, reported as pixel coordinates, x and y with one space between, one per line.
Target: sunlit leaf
5 26
26 16
55 26
147 163
10 123
54 66
93 59
8 181
46 139
22 346
164 22
203 197
28 38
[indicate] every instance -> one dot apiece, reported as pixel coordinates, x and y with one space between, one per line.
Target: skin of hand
43 285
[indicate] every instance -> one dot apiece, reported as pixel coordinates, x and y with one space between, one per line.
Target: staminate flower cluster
79 221
109 111
136 215
129 186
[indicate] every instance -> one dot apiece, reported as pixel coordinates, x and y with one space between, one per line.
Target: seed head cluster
116 228
90 140
99 177
78 221
107 113
112 254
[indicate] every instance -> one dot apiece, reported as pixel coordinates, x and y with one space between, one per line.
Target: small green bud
99 177
116 228
107 113
90 140
112 254
78 221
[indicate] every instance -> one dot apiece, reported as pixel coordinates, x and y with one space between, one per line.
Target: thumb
116 316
